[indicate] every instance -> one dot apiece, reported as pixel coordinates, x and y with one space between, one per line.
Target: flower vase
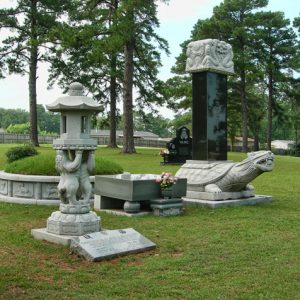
167 193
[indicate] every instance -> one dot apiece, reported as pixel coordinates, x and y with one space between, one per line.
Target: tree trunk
33 77
270 111
256 141
128 141
113 89
244 111
113 104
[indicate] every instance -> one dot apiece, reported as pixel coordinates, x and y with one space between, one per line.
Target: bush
19 128
295 150
17 153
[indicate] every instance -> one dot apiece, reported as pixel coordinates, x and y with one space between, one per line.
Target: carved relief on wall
49 191
209 55
21 189
3 187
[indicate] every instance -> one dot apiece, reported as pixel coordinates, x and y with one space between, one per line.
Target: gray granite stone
219 196
110 243
121 212
111 191
73 224
257 199
167 207
30 189
44 235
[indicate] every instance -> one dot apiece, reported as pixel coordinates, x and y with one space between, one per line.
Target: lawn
230 253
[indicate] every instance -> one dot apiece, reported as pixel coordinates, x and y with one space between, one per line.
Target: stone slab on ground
120 212
219 196
110 243
43 234
257 199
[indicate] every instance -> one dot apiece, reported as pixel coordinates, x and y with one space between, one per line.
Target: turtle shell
204 173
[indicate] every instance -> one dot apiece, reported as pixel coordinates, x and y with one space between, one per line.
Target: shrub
20 152
19 128
295 150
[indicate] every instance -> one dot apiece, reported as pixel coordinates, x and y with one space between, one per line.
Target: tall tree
274 50
88 52
123 30
230 22
27 44
136 22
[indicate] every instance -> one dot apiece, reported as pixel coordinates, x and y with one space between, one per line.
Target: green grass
231 253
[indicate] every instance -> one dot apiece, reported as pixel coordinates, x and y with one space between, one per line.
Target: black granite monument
209 116
209 61
179 148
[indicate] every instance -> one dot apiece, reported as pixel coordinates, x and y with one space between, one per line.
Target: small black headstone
179 148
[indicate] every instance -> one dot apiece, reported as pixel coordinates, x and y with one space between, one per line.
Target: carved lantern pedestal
74 224
75 161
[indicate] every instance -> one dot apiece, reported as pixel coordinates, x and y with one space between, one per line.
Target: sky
176 23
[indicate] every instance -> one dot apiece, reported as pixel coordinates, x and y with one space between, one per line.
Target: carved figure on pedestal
227 177
69 175
86 169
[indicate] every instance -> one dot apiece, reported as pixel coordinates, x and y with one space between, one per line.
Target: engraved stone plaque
110 243
49 191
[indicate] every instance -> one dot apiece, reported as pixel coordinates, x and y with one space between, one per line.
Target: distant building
119 133
238 144
282 144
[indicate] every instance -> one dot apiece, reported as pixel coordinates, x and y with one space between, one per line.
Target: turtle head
262 160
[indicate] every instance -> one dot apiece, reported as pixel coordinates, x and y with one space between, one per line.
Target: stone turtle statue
220 177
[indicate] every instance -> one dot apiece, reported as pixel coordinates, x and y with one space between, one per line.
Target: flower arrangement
164 152
166 180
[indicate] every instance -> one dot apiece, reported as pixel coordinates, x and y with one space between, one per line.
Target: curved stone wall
30 189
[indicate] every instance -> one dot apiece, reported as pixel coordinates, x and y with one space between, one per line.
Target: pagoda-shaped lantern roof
74 101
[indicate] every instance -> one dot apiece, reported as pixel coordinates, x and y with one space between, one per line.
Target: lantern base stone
73 224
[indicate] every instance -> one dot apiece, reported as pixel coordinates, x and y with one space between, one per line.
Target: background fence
10 138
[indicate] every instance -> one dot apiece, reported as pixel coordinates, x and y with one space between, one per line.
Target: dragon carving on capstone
209 54
218 177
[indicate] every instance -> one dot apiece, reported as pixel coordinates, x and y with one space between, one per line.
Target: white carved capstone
209 55
75 101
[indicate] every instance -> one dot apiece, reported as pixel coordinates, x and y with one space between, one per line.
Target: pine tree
109 45
230 22
27 44
274 48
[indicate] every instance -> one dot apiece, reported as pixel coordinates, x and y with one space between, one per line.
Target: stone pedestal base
219 196
74 208
73 224
167 207
257 199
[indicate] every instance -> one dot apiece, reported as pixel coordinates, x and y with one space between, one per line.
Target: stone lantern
75 161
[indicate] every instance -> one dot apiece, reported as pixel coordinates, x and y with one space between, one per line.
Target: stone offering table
130 191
